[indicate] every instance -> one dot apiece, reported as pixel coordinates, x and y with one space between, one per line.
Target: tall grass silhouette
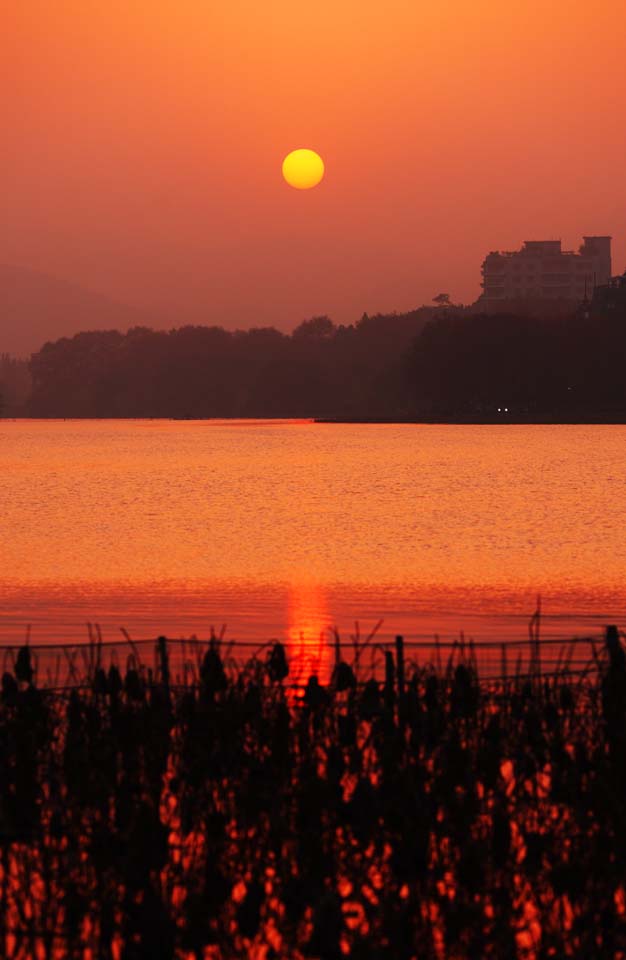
186 799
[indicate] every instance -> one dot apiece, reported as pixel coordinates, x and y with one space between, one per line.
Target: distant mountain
36 307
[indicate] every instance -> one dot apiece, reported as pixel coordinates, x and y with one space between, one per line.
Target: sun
303 169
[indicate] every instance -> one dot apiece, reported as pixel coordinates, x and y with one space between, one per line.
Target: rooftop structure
541 270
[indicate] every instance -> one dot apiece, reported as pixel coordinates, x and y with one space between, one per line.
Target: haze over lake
282 528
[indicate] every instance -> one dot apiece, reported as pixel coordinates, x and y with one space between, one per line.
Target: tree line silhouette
503 365
15 386
320 370
442 362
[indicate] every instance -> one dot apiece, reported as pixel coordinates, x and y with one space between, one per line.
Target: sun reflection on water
309 633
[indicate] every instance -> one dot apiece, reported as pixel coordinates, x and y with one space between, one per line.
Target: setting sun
303 169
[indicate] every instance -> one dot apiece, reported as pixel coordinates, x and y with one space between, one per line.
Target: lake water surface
285 528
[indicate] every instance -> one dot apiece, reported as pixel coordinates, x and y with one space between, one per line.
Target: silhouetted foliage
436 362
15 386
223 815
567 367
320 370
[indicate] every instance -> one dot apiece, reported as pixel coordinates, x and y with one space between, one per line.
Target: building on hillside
541 271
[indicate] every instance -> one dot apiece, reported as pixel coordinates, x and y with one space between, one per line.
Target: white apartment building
541 270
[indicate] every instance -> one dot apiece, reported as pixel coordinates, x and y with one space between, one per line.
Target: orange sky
143 139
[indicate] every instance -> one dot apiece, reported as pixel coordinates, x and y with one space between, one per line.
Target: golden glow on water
309 633
177 526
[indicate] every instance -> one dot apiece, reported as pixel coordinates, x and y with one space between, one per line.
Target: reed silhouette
206 808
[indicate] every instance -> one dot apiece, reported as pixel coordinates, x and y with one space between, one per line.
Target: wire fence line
65 666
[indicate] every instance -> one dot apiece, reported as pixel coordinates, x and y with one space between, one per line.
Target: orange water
287 528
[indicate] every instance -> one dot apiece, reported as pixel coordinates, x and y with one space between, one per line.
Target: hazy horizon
43 307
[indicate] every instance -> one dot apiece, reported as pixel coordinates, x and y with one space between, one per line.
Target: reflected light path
172 527
309 633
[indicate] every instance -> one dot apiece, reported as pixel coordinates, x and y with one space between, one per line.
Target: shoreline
476 421
399 421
